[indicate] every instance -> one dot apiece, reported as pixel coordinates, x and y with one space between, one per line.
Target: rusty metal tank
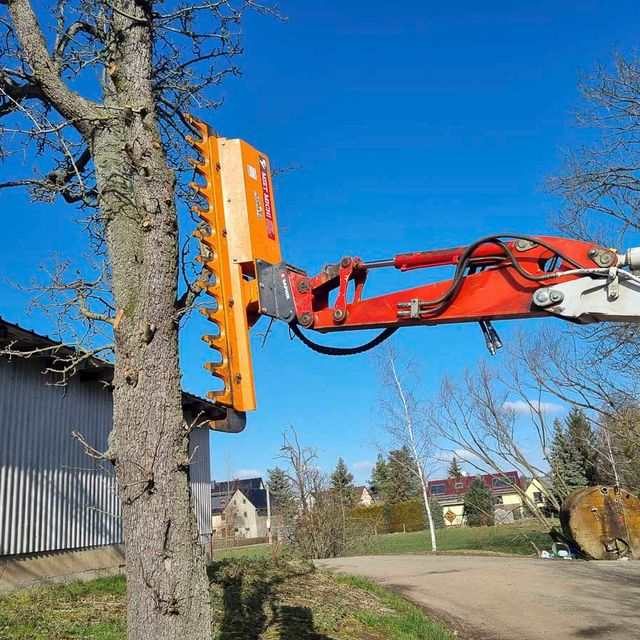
603 522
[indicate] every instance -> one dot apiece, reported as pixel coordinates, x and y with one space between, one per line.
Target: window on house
236 529
499 483
459 485
438 488
223 517
244 501
246 529
498 500
537 497
245 514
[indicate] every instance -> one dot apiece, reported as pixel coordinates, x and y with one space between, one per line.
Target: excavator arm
499 277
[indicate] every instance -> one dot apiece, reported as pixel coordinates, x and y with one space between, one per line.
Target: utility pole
266 484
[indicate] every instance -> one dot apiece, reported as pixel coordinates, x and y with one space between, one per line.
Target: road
500 598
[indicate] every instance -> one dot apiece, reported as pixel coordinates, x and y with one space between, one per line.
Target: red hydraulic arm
495 279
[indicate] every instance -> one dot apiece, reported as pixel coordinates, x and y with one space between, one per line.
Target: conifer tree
454 470
583 439
402 476
379 477
478 504
342 483
566 462
281 492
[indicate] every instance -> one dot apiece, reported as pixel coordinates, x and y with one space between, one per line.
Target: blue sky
415 126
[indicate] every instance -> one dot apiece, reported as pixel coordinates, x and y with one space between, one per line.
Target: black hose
342 351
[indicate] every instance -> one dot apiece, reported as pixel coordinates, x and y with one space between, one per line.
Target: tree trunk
167 585
427 506
168 594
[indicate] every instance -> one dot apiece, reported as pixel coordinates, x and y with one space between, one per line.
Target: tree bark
168 595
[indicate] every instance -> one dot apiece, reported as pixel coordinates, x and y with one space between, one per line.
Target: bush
390 518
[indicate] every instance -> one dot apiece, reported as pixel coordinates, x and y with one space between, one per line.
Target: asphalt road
496 598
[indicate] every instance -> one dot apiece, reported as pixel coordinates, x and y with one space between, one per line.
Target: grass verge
252 599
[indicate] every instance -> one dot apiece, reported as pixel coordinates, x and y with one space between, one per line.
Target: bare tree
93 92
321 527
405 419
599 381
600 183
302 469
482 414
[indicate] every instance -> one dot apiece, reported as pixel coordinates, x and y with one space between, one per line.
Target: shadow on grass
251 604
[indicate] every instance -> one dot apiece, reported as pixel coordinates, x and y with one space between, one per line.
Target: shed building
54 499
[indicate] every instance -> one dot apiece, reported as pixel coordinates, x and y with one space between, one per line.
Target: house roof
92 368
498 483
231 486
257 497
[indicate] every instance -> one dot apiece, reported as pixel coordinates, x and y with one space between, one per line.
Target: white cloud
241 474
522 408
461 455
364 465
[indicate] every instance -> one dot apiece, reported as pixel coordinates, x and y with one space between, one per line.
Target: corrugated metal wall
200 479
52 495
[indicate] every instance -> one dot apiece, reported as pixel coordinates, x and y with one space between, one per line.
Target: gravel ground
498 598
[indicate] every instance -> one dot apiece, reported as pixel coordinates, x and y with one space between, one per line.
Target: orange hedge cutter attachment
499 277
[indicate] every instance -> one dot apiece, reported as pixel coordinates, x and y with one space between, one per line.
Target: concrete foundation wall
17 572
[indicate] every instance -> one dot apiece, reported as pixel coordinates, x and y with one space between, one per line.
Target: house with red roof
504 487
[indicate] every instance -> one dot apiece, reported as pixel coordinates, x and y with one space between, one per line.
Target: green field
515 539
252 599
510 539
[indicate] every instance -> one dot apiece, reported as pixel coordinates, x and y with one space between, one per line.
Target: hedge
389 518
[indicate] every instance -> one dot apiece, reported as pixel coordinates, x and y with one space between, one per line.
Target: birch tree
92 93
404 419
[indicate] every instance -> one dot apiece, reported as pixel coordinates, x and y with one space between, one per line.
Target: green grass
405 621
510 539
252 599
79 610
254 551
513 539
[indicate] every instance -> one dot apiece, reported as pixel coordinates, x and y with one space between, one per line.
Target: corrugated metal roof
99 368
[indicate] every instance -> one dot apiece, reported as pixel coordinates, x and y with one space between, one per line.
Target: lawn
252 599
512 539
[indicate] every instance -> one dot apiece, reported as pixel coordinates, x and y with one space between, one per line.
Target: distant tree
619 450
281 492
342 483
566 462
478 504
582 438
454 470
402 478
379 477
436 514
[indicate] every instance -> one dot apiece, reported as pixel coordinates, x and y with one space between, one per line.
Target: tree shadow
296 623
250 608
